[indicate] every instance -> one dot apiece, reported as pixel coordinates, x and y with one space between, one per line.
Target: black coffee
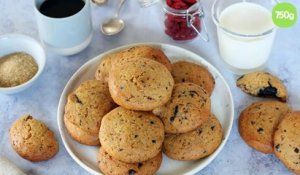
61 8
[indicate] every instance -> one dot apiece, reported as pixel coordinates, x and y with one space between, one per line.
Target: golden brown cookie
84 111
258 122
104 67
32 139
140 84
262 84
131 136
287 141
109 166
188 108
184 71
143 51
195 144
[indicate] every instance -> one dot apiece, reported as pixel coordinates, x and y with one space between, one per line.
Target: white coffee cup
68 35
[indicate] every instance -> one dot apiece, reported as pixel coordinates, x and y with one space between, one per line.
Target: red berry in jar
176 24
180 4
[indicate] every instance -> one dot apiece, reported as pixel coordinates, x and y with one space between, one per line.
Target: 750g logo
284 14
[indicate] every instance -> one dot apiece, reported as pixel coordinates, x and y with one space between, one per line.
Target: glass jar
184 25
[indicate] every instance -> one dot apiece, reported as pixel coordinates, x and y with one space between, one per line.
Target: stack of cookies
141 105
192 131
270 126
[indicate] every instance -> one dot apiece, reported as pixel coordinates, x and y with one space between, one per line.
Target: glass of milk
245 32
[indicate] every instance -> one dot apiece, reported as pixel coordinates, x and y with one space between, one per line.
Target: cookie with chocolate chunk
84 111
32 139
188 108
140 51
287 141
140 84
104 67
258 122
195 144
262 84
184 71
110 166
131 136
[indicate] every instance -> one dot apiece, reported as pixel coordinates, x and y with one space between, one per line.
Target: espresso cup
67 35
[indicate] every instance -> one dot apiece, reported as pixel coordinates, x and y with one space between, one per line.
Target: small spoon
99 2
114 25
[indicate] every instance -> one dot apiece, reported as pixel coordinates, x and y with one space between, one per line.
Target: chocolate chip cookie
188 108
141 51
195 144
131 136
258 122
287 141
109 166
84 111
262 84
184 71
32 139
140 84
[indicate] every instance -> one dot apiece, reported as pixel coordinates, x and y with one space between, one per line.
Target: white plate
222 107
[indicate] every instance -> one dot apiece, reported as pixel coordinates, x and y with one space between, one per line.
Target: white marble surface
142 25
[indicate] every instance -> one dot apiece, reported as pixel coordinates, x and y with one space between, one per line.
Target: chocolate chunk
212 128
28 117
252 122
277 147
131 172
296 150
152 122
135 136
199 131
269 91
193 93
77 99
153 141
174 114
149 98
240 77
140 165
260 130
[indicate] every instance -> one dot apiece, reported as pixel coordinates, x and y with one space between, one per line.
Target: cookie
143 51
109 166
140 84
32 139
184 71
84 111
131 136
103 69
258 122
195 144
188 108
287 141
262 84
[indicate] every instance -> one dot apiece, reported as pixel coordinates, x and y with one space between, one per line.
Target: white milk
245 54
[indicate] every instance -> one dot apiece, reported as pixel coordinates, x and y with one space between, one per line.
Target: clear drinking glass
241 51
